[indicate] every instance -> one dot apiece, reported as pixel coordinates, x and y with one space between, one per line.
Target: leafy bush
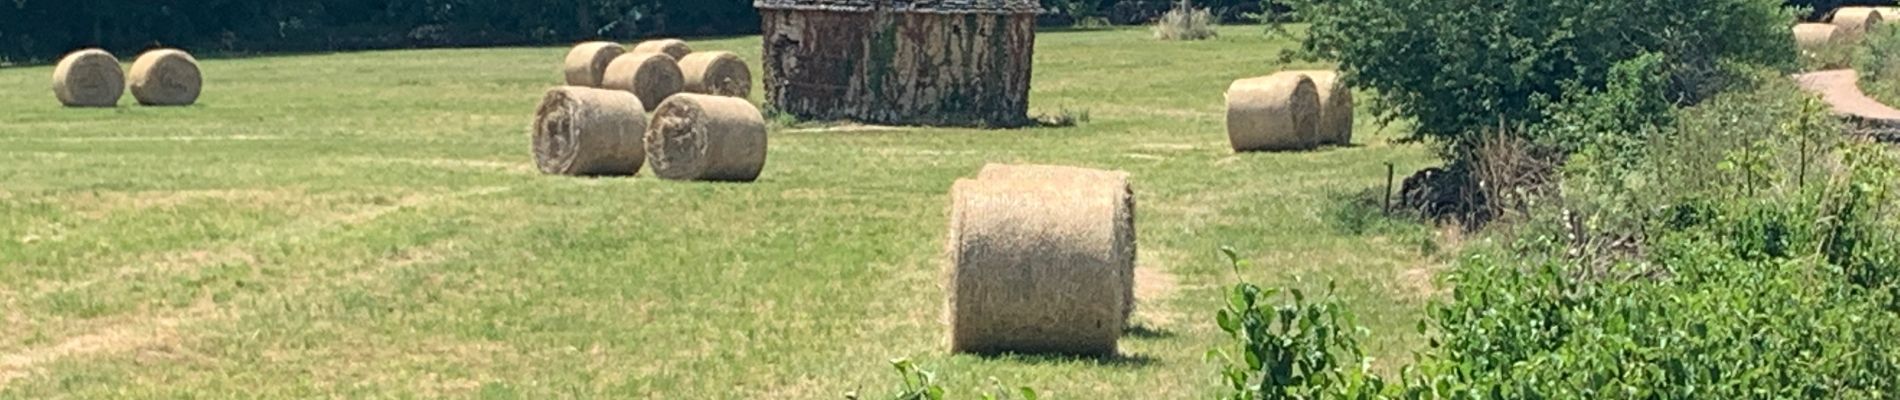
1747 252
1460 66
1185 22
1298 350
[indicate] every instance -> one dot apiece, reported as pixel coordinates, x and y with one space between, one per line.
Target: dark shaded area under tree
42 30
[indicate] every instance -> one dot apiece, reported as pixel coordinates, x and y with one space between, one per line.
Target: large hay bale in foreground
707 138
587 62
1276 112
587 131
672 47
1335 107
1066 176
652 76
1855 21
1036 268
166 77
717 73
1815 36
89 78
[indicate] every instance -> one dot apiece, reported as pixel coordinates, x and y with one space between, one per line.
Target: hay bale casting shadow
1273 113
89 78
1065 176
652 76
586 131
1335 107
717 73
166 77
707 138
1036 268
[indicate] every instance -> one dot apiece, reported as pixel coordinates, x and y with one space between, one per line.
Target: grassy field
370 224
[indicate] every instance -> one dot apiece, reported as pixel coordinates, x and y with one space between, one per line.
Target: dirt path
1841 89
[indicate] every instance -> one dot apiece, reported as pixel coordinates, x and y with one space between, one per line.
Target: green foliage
1461 66
1619 117
921 384
1877 58
1697 266
1746 252
1295 350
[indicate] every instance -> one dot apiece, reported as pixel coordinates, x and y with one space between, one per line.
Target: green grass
369 224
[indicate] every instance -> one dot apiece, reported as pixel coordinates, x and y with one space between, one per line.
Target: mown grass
369 224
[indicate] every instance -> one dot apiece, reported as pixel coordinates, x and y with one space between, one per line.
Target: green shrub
1460 66
1296 350
1877 57
1632 105
1746 252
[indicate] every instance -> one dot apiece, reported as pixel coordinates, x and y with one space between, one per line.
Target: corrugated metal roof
917 6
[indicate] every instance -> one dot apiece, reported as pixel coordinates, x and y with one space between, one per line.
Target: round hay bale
166 77
1855 21
652 76
1815 36
1335 107
587 131
587 62
1272 113
706 138
1071 176
717 73
1036 267
672 47
89 78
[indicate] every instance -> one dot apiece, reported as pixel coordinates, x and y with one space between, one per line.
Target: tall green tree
1461 66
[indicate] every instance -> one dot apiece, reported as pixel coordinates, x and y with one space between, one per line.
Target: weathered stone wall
942 69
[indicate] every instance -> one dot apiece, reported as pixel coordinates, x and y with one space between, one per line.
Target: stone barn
900 62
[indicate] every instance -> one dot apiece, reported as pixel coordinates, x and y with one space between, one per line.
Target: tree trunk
900 68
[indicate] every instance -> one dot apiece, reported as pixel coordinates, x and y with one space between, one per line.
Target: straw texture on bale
717 73
1814 36
89 78
587 131
672 47
1065 176
652 76
1335 107
166 78
1036 268
587 62
1276 112
706 138
1855 21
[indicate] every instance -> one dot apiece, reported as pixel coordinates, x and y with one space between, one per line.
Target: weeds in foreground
921 384
1297 350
